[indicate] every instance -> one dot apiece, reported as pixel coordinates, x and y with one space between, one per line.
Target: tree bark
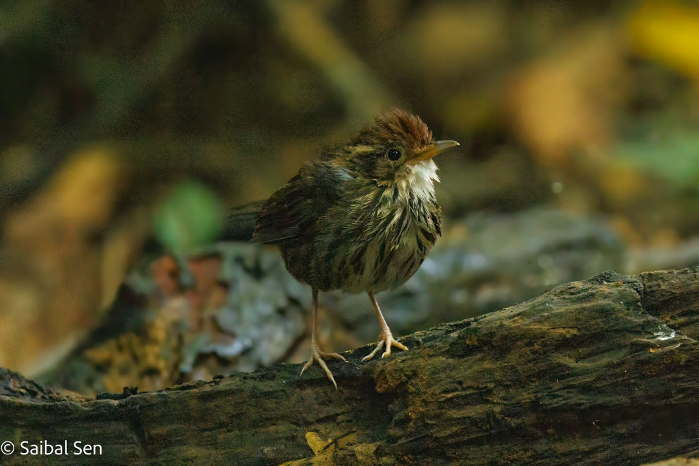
604 371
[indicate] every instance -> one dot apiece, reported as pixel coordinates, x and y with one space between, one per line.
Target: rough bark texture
604 371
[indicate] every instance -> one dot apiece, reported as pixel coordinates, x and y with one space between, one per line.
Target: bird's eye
393 154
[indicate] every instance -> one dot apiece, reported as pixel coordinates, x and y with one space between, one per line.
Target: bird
361 218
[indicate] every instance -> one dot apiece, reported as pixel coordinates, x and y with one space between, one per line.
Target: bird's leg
386 337
316 353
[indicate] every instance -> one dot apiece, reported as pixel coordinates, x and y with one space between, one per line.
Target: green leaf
191 216
675 157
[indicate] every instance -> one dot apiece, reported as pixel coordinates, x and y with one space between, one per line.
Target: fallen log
603 371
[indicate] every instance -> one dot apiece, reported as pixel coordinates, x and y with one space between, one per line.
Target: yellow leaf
668 32
316 442
322 450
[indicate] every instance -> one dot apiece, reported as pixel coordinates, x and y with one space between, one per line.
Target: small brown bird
361 218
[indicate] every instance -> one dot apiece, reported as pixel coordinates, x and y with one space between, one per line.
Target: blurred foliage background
128 128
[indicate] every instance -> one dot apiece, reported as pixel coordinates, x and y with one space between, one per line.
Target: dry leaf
563 104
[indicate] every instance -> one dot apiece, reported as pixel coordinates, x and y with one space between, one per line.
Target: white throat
420 179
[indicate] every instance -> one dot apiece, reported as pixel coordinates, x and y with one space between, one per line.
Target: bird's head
396 147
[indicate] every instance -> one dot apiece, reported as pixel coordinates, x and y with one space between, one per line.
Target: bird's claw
318 355
388 341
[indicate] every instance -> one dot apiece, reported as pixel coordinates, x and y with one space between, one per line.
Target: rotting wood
603 371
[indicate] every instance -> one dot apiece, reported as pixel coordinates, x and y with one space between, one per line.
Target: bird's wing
240 222
293 210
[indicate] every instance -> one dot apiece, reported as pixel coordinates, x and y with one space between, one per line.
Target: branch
604 371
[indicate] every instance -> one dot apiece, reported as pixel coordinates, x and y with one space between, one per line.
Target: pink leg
385 337
316 353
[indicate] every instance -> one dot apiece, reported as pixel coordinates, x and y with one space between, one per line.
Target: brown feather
396 125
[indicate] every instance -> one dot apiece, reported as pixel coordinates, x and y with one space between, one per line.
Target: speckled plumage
361 218
354 220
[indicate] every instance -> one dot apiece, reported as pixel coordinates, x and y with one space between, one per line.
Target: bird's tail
240 222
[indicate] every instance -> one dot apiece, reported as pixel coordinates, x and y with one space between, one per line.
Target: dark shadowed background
128 128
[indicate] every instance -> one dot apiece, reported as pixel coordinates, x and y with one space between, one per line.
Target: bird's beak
432 150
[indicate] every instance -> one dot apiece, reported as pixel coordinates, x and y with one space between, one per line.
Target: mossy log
604 371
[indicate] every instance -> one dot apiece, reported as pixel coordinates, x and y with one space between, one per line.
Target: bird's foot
318 355
388 342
